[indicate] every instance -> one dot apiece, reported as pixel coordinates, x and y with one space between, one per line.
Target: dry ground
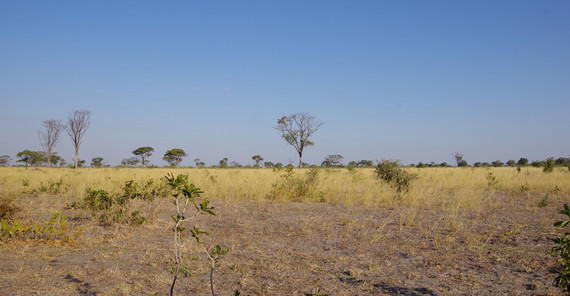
281 248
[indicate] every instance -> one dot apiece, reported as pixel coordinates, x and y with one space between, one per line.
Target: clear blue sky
409 80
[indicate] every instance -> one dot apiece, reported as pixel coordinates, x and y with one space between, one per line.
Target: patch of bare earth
282 248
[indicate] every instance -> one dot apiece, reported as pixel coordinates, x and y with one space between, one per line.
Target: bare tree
296 129
49 137
77 124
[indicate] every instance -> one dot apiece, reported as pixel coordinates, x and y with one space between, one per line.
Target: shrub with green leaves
7 207
186 195
562 250
115 208
398 178
294 187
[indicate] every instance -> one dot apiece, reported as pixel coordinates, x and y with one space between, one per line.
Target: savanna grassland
457 231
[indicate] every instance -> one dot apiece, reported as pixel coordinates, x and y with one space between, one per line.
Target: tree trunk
300 159
76 158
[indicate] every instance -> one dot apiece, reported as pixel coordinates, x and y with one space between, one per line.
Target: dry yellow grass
464 227
450 188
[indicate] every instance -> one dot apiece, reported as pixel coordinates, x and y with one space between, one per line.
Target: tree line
295 129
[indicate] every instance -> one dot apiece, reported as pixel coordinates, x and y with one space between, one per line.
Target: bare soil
293 248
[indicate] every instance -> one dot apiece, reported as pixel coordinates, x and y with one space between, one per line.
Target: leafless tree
296 129
49 137
77 124
458 157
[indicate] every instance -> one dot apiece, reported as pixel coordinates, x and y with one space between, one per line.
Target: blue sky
409 80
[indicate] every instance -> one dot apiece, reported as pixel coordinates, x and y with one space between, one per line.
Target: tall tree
174 156
77 124
296 129
144 153
49 137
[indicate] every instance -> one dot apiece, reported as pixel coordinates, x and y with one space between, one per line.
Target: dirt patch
283 248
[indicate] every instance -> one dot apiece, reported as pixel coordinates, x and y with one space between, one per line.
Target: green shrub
398 178
7 207
293 187
562 250
115 208
548 165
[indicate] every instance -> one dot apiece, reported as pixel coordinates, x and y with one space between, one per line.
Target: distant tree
443 164
31 158
223 162
57 160
257 159
548 165
477 164
77 124
333 160
365 163
458 158
144 153
199 163
278 165
97 162
561 161
537 163
352 164
235 164
81 163
511 163
497 163
5 160
49 137
296 129
485 164
268 164
174 156
522 161
421 165
130 162
462 163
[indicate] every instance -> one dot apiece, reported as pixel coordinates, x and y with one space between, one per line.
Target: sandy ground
293 248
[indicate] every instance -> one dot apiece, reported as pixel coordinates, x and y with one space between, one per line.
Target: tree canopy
174 156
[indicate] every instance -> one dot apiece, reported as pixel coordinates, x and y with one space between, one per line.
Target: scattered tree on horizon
144 153
174 156
333 160
5 160
97 162
296 129
31 158
77 124
257 159
130 162
522 161
199 163
223 162
49 137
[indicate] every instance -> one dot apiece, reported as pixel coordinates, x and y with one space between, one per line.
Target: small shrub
55 229
548 165
491 180
7 207
542 202
398 178
186 194
562 250
293 187
524 188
